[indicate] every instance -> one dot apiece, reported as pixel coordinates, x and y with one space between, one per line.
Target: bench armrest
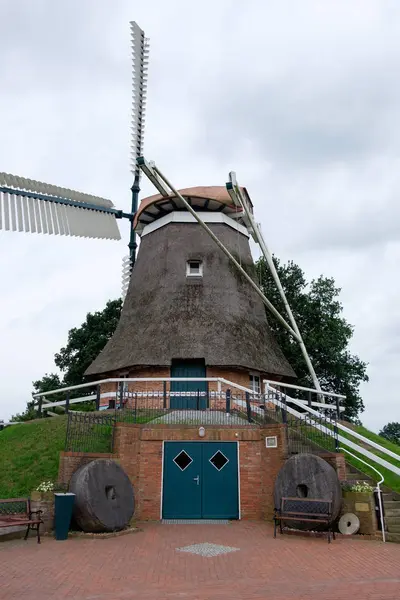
35 512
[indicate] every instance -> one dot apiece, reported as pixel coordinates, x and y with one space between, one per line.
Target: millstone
104 498
308 476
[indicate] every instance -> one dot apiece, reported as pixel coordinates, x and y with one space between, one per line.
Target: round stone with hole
104 496
308 476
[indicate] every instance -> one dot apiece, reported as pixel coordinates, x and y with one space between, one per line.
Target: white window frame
189 273
253 377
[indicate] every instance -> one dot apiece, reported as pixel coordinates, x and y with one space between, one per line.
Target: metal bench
308 510
16 512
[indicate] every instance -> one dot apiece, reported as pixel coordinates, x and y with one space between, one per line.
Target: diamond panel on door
183 460
219 460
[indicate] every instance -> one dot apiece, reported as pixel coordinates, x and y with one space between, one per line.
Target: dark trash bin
64 504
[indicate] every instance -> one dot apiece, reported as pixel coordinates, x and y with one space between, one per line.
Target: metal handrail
341 439
306 389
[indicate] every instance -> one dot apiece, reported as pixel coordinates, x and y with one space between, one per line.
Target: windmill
32 206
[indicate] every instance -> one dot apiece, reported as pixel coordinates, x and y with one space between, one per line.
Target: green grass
29 454
391 479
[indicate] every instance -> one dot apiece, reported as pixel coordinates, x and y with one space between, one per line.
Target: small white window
255 383
194 268
271 441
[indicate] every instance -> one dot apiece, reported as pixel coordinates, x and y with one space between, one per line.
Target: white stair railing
275 396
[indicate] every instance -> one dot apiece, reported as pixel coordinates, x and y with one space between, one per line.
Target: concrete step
353 476
393 537
391 505
392 512
392 524
390 497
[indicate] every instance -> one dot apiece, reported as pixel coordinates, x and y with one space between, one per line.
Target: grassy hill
29 454
391 480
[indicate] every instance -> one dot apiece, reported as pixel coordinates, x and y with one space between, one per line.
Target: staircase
391 503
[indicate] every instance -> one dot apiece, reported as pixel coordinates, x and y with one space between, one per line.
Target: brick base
139 451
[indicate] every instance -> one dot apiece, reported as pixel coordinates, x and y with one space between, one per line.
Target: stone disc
308 476
349 524
104 498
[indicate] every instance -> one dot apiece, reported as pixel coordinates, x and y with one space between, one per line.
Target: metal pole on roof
233 186
154 173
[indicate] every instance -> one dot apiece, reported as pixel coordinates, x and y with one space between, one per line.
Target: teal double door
188 395
200 480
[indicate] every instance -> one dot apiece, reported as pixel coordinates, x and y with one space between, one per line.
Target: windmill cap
213 198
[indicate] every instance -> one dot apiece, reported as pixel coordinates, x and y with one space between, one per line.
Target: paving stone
207 549
146 566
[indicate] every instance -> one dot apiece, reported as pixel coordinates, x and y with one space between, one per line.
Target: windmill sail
140 58
36 207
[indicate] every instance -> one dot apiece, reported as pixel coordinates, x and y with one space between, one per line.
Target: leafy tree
87 341
326 333
47 383
391 432
84 343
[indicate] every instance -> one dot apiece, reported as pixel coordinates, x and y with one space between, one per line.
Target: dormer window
194 268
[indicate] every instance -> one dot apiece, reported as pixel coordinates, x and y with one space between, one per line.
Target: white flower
45 486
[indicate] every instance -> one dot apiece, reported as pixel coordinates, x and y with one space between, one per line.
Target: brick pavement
146 566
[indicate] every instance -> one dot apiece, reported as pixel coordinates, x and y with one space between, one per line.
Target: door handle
197 479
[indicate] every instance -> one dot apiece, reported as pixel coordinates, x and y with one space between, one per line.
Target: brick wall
138 449
238 376
272 459
140 454
70 462
139 386
338 462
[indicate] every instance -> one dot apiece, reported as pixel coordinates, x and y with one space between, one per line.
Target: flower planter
44 501
42 496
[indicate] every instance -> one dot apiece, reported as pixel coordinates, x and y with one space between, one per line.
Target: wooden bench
16 512
307 510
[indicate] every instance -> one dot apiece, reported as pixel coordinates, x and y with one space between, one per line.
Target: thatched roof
166 315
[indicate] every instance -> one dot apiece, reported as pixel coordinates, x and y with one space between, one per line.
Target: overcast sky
302 99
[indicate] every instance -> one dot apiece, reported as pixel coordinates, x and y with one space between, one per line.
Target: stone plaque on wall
361 506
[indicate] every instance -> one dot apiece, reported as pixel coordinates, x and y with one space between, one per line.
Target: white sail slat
31 215
55 218
74 221
25 213
114 233
66 222
87 223
60 217
48 217
43 216
13 213
6 208
7 212
20 220
36 210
